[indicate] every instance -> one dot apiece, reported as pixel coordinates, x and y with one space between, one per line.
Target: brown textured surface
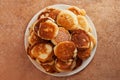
14 17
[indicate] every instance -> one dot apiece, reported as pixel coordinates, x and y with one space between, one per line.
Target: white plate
83 65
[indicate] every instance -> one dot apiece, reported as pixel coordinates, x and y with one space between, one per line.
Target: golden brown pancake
92 38
67 19
48 66
81 39
36 24
65 50
53 14
33 39
50 62
82 21
45 13
77 11
63 35
28 51
48 30
84 54
81 17
50 12
64 66
42 51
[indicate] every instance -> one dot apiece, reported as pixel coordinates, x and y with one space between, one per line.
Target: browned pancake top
75 10
45 13
37 23
63 35
48 66
33 39
46 30
84 54
39 48
64 65
65 50
49 12
53 14
81 39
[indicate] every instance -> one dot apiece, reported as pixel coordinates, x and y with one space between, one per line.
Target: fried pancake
64 66
65 50
81 39
77 11
92 38
48 30
33 39
92 45
45 13
36 24
82 21
29 51
50 12
50 62
53 14
63 35
34 27
67 19
48 66
42 51
84 54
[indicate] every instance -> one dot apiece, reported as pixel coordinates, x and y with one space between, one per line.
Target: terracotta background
14 17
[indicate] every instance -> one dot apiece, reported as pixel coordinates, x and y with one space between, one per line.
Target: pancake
48 30
92 45
92 38
65 50
29 51
36 24
64 66
42 51
67 19
81 39
49 12
50 62
45 13
33 39
53 14
84 54
77 11
48 66
82 21
63 35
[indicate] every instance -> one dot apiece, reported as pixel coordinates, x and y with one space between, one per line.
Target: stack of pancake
59 40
